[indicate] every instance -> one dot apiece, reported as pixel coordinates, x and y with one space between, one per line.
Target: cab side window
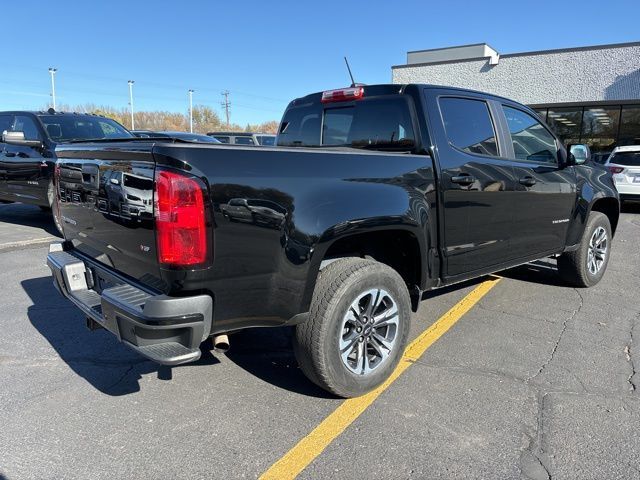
27 126
468 125
6 121
531 140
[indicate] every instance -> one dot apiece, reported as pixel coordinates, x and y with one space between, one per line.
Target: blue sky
264 53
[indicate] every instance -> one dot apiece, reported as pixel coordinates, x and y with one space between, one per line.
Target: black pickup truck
27 150
373 195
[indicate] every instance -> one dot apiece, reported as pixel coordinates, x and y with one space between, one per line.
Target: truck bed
272 214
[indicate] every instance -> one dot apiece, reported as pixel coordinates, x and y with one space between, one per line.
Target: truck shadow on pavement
267 354
114 369
98 357
28 216
543 272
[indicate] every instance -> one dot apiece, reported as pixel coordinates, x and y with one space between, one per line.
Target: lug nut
359 329
361 339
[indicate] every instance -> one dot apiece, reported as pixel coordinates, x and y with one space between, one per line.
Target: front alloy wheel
597 253
585 266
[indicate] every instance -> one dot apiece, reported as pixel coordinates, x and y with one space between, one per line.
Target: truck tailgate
106 205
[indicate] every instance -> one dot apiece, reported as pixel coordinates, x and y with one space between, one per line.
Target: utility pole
131 82
226 104
52 72
191 110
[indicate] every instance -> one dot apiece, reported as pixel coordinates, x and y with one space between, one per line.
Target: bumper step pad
170 353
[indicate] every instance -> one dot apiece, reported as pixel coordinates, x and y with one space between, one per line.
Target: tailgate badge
144 248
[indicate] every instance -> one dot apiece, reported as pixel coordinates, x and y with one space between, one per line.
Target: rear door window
222 139
468 125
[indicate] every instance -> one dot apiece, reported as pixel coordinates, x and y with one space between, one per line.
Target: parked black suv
27 151
374 195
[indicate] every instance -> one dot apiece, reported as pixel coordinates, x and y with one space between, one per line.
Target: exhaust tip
221 343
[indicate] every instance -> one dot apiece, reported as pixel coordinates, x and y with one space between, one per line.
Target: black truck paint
435 213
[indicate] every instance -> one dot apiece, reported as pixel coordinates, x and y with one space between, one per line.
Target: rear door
476 181
545 193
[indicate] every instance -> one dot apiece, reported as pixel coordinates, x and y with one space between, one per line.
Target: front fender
594 182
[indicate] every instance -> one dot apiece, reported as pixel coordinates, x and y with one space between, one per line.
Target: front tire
585 266
357 327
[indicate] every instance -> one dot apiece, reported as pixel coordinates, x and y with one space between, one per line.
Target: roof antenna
353 82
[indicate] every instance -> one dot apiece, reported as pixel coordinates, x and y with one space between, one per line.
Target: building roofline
590 103
521 54
452 47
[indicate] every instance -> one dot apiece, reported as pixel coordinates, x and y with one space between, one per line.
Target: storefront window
630 126
600 128
566 123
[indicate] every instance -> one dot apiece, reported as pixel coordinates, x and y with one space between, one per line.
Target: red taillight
615 170
180 220
343 95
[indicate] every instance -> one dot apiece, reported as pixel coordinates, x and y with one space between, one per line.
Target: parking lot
533 380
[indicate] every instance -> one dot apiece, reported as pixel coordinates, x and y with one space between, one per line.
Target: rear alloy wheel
586 266
369 331
357 327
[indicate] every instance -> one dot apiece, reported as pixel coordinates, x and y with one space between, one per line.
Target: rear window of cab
380 123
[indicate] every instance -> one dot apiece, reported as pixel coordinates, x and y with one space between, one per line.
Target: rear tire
585 266
53 207
357 327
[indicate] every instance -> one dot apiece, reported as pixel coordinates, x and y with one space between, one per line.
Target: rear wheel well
611 208
398 249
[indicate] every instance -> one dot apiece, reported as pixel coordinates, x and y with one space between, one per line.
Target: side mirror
17 138
578 154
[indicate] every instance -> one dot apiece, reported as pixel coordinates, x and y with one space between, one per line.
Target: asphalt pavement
537 380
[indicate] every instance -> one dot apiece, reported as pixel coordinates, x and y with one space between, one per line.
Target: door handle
527 181
463 179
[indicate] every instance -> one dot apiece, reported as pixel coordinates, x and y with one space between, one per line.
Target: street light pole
191 110
131 82
52 72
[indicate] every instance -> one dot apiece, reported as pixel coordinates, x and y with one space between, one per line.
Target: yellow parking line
301 455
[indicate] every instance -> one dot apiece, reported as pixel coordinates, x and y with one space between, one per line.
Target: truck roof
391 89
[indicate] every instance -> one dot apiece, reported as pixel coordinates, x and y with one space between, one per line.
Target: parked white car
624 164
